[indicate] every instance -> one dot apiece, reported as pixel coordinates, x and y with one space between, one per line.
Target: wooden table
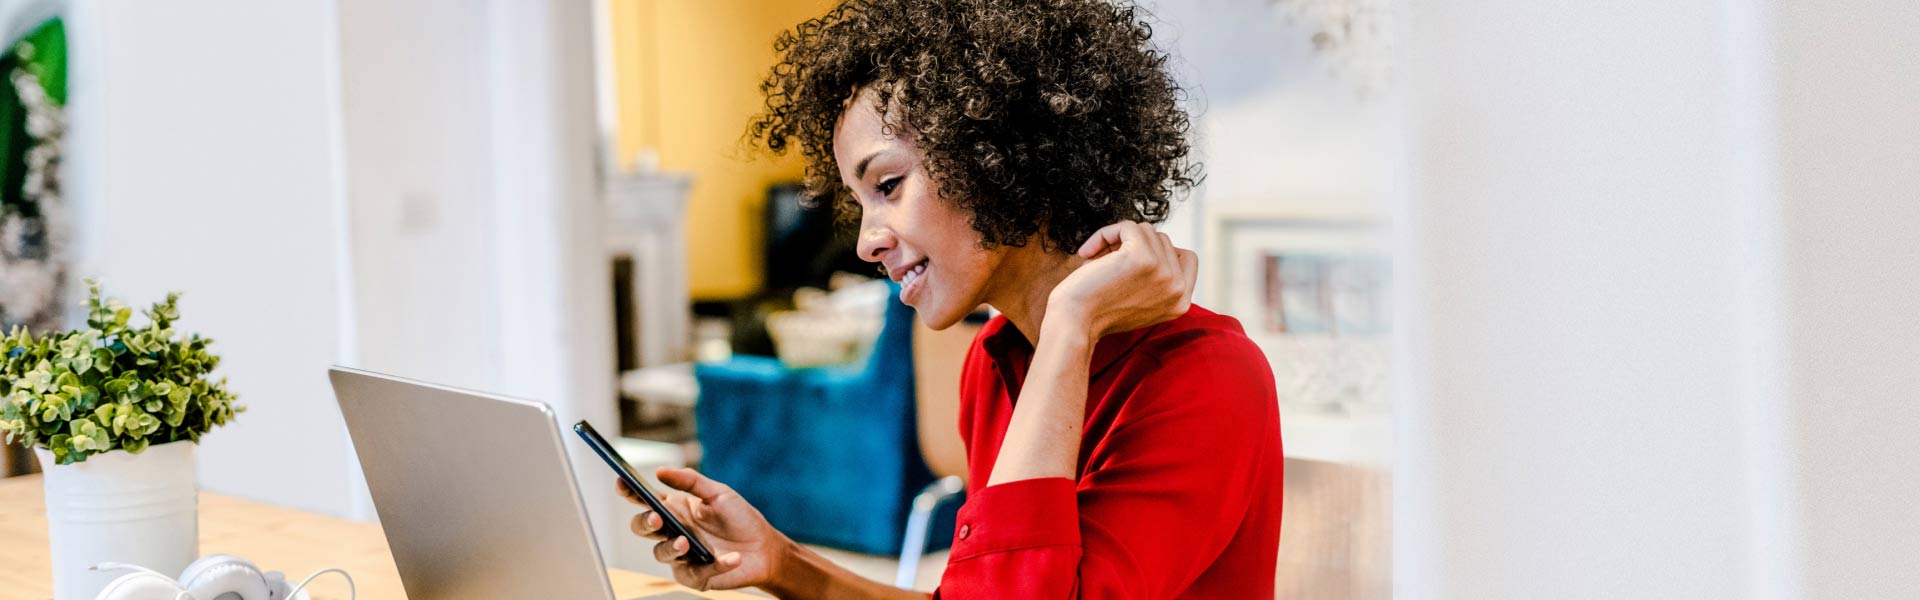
276 538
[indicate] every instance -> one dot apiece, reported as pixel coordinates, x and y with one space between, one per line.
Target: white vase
140 509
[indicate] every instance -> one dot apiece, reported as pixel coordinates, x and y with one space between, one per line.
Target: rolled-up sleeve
1017 539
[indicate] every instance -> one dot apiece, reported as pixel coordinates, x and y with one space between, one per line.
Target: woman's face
924 243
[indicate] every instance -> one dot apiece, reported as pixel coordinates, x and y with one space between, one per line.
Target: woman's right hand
1133 277
745 547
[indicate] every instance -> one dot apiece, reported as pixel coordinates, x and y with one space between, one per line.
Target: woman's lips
912 282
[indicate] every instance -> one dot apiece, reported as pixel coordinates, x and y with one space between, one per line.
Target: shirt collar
1009 343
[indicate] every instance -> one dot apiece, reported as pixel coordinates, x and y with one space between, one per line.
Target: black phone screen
697 552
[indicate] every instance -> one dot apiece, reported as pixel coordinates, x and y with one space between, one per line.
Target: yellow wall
688 75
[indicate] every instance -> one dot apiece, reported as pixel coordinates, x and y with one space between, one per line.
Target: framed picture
1313 294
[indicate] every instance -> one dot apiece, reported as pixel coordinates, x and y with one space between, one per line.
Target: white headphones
213 577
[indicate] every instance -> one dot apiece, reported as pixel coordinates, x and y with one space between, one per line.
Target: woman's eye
886 187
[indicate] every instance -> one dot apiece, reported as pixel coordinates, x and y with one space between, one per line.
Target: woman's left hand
1134 277
747 550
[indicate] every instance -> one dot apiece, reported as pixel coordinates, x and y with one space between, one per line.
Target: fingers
1102 241
1178 268
671 550
692 482
1111 238
626 492
1155 250
1135 233
647 525
722 574
1163 248
1148 249
690 507
725 573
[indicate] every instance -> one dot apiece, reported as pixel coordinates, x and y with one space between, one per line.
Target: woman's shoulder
1200 361
1201 337
1201 368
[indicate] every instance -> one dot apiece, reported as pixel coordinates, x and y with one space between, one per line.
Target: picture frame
1313 294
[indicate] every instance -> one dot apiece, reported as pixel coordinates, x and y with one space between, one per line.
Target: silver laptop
474 490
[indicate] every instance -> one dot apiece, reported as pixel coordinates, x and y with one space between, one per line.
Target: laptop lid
474 490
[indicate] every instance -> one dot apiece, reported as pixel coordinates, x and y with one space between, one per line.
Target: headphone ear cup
202 564
145 585
222 577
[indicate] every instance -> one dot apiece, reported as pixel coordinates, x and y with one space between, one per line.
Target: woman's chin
935 316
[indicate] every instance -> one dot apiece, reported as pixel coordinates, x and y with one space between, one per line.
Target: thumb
692 482
726 572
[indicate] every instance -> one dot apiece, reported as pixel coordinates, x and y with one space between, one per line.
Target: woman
1010 152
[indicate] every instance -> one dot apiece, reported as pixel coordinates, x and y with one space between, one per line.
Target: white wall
470 153
556 315
1574 254
1659 271
206 165
418 164
1849 153
402 186
1280 132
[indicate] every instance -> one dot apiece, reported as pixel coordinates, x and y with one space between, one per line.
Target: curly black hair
1054 116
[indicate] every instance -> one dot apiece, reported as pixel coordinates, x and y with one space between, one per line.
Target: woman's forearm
1043 438
805 575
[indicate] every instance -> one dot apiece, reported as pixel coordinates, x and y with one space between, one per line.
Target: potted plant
114 412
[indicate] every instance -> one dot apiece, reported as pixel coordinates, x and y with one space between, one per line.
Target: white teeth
913 273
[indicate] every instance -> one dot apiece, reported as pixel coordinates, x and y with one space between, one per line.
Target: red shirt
1178 493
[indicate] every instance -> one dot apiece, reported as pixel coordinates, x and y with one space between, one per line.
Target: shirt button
965 530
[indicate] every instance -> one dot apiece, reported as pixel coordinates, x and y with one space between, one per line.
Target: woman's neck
1025 279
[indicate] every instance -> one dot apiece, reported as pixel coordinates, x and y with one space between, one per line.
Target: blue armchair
830 455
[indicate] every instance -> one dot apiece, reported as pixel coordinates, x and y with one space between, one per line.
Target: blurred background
1563 299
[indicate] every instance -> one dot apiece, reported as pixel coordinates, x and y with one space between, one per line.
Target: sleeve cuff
1016 515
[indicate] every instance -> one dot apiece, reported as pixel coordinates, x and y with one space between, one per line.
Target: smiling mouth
913 283
914 273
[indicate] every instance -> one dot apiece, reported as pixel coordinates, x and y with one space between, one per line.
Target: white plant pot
138 509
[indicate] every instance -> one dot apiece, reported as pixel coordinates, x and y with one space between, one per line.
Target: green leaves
111 385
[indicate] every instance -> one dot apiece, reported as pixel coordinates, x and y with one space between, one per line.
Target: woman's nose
874 242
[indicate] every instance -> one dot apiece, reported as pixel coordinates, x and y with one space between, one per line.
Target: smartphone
697 552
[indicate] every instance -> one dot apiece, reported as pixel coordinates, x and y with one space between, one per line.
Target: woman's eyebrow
860 170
